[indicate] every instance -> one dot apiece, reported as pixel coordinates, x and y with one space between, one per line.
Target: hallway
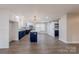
46 45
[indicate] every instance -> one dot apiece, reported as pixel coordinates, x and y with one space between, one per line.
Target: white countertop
33 31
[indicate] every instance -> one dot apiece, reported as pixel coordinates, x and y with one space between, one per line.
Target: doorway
13 31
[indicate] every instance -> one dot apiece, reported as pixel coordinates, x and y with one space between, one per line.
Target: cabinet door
56 33
33 36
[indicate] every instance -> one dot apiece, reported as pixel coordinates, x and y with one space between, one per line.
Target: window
40 27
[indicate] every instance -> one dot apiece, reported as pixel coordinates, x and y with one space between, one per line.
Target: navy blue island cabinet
23 33
33 36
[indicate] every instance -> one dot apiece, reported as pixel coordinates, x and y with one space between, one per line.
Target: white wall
63 29
69 28
73 28
10 31
50 28
13 30
4 28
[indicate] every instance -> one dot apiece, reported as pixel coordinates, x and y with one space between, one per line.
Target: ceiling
44 12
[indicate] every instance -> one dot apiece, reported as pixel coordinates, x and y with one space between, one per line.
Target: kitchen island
23 32
33 36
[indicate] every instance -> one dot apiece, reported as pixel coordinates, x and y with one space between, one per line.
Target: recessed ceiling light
17 17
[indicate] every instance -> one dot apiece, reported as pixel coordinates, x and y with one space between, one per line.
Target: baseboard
75 42
63 41
4 47
68 42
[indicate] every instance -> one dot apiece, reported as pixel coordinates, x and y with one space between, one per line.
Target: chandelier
34 18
